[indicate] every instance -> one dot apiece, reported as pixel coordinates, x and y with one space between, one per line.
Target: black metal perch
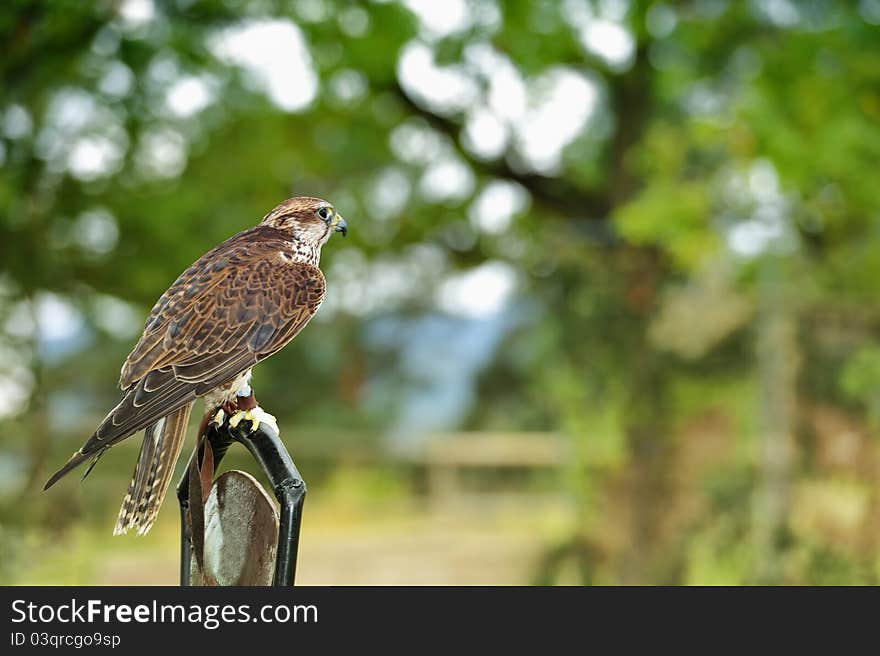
287 484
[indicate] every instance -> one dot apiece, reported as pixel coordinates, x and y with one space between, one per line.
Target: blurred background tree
644 232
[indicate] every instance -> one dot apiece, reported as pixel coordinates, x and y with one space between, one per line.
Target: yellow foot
256 416
218 418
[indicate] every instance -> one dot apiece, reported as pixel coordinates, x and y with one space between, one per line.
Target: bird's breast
227 391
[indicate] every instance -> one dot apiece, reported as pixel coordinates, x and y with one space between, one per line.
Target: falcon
235 306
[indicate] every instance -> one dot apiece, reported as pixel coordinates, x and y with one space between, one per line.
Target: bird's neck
305 253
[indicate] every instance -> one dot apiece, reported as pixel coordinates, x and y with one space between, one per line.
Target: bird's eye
325 214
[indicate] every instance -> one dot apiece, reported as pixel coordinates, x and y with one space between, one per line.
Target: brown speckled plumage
236 305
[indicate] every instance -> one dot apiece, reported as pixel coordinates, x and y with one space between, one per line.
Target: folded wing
235 306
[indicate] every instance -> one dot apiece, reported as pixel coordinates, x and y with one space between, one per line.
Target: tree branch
556 194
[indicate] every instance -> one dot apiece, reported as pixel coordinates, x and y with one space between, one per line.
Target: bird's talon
256 416
219 417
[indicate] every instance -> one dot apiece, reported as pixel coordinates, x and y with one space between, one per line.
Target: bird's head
310 221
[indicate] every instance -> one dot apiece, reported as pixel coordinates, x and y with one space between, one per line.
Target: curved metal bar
269 451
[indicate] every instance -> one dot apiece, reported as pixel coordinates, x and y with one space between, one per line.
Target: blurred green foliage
696 268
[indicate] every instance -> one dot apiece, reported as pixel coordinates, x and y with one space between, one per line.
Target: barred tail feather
163 441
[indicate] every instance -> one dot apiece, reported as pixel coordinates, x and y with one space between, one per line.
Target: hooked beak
339 225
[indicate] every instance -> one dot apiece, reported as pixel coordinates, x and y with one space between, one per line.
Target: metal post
287 484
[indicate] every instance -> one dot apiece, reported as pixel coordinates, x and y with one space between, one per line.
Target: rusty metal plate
241 532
